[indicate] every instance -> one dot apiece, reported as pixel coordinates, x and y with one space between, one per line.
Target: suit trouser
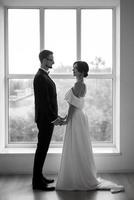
44 137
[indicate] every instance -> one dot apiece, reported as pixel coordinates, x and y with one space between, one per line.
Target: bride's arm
71 110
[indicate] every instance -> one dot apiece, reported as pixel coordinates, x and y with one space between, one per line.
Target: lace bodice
73 100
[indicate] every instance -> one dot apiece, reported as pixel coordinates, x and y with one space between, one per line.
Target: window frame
113 75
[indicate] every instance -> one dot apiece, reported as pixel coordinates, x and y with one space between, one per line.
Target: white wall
127 84
22 163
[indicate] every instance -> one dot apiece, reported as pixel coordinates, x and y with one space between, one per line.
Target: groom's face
49 61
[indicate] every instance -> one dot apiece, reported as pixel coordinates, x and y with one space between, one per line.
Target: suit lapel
45 73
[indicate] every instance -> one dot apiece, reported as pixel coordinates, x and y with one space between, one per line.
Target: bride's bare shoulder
79 89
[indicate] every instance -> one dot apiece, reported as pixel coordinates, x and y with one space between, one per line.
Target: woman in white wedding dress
77 170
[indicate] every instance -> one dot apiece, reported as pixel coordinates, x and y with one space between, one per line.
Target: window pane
21 111
97 39
60 37
98 107
23 38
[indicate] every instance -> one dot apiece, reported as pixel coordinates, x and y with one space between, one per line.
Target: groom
46 116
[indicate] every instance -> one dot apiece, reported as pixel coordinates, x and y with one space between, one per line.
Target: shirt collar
44 70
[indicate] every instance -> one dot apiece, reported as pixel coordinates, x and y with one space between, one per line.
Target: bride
77 170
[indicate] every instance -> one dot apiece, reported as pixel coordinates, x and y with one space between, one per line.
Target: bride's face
76 72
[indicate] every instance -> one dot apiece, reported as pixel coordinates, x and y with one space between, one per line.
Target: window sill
98 151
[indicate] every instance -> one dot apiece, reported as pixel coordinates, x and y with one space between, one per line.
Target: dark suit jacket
45 97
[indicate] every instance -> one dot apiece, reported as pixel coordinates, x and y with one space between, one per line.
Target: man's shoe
43 187
47 181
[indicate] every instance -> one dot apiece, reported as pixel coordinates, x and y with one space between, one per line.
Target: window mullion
42 28
100 76
6 77
114 73
114 42
20 76
78 34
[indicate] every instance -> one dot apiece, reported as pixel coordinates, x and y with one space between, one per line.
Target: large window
72 34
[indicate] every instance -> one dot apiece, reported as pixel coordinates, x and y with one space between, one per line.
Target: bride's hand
63 118
64 122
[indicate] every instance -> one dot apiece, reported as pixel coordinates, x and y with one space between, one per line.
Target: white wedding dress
77 170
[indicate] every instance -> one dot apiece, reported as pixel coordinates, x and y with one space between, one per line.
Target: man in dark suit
46 116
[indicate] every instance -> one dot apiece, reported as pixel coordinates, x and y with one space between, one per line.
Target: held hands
60 121
63 120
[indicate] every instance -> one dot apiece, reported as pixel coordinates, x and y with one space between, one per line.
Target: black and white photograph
66 100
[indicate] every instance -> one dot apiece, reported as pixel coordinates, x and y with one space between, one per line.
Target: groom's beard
49 67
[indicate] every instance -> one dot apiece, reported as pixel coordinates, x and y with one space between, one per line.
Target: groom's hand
57 122
60 121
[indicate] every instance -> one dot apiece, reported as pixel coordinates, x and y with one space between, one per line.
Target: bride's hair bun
82 67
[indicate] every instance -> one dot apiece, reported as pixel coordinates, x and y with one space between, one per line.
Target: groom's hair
44 54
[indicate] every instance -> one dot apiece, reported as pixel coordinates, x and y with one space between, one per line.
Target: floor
18 187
